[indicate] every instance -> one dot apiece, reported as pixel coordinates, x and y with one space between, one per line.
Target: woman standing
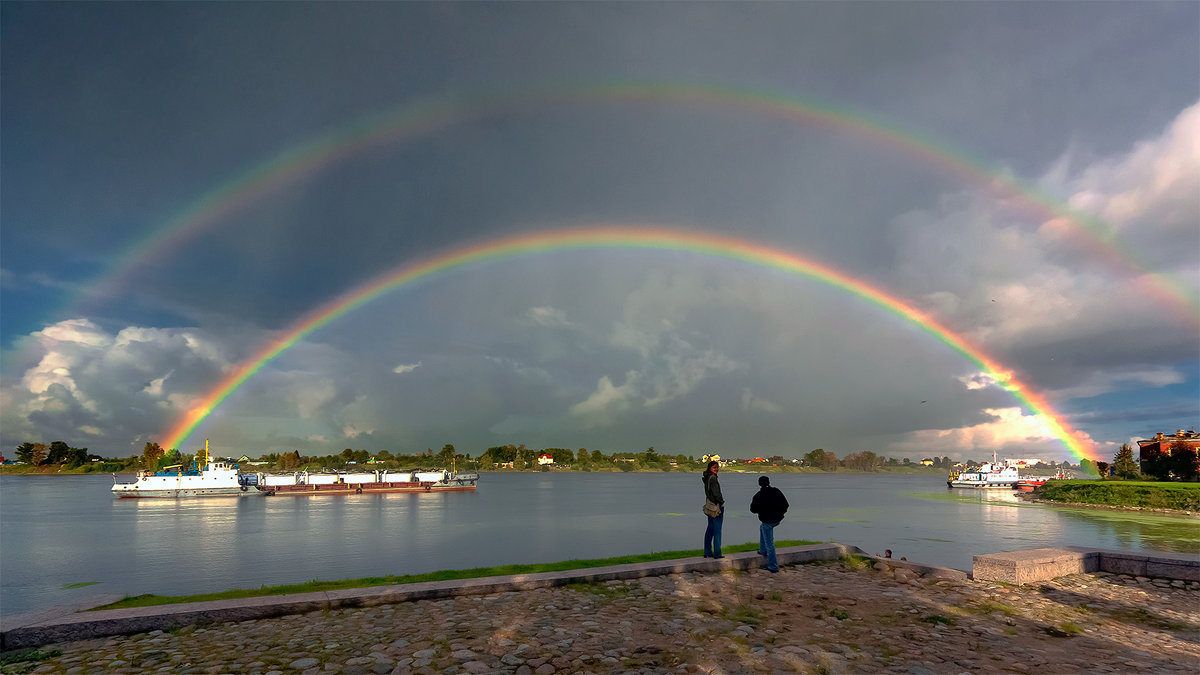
712 493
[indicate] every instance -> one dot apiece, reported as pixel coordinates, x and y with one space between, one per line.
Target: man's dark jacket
770 504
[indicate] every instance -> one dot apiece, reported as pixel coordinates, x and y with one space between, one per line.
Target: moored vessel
304 484
1034 482
206 478
989 475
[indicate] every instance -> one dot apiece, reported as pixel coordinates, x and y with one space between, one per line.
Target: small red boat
1035 482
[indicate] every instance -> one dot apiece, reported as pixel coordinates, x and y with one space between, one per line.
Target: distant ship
1034 482
205 479
989 475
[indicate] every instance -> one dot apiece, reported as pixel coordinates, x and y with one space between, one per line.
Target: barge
305 484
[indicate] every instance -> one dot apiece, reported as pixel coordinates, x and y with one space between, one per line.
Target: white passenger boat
989 475
206 479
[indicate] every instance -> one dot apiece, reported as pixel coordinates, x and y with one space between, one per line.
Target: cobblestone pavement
820 618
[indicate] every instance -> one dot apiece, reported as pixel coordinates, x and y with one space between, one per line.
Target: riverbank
841 616
1179 498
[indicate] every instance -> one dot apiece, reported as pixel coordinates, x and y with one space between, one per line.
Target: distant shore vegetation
59 457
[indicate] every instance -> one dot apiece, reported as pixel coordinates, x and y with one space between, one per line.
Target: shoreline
841 615
1031 497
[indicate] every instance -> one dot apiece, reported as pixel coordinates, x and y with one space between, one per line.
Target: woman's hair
708 469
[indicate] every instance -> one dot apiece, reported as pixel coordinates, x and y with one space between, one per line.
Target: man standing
770 505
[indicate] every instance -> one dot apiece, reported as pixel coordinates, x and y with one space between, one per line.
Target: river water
66 540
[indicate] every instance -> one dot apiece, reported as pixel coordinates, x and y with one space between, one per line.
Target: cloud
1009 431
1070 313
548 316
406 368
110 387
752 402
608 401
1155 187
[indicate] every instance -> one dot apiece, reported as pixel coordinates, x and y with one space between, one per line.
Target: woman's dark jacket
712 489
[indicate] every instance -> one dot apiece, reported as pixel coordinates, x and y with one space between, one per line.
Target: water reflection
1138 530
56 531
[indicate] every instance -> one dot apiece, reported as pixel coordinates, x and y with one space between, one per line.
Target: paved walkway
833 616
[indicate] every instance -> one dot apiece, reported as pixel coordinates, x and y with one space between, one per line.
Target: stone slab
83 625
1029 566
1039 564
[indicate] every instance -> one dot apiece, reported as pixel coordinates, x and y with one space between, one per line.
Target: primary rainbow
318 152
645 236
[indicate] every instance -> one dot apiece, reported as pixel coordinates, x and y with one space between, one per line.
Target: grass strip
1145 494
315 585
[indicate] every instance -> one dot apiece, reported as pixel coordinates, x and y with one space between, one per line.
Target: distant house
756 460
714 457
927 462
545 458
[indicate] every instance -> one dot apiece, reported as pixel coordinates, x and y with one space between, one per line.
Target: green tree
815 458
447 454
1124 465
25 452
289 461
1102 469
58 453
862 461
1088 467
151 453
77 458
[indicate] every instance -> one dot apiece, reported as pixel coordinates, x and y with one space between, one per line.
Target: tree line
56 453
1179 463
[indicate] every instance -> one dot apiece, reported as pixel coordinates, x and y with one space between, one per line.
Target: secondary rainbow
643 236
324 150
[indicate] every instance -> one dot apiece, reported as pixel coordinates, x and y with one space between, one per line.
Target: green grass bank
444 575
1119 493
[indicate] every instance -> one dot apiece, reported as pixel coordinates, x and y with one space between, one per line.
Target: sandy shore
821 618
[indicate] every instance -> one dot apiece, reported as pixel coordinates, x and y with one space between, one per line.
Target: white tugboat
207 478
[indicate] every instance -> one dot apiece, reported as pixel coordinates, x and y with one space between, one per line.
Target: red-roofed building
545 458
1161 445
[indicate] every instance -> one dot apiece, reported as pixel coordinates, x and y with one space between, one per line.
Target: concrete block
1039 564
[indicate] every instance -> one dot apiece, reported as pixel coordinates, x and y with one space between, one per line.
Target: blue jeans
766 544
712 535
